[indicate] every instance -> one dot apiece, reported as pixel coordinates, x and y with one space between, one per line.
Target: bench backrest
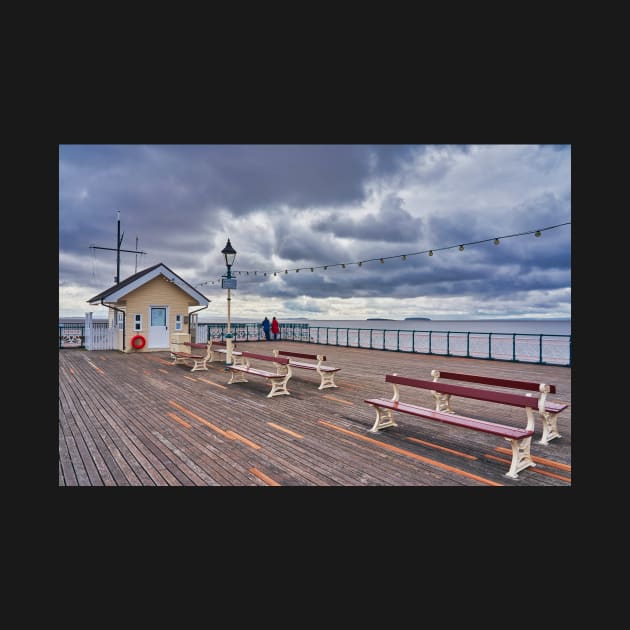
300 355
215 342
516 400
264 357
490 380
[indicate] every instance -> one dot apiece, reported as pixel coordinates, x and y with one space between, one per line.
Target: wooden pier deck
137 420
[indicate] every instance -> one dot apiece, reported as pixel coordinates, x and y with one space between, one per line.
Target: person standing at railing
265 327
275 328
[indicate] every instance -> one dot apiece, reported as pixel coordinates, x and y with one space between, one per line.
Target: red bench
547 409
326 372
278 379
218 350
199 360
520 439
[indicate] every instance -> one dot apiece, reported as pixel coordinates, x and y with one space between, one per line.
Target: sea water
531 340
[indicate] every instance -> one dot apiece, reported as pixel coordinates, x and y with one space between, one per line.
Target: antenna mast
119 240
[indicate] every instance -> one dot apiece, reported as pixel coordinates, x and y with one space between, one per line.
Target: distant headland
426 319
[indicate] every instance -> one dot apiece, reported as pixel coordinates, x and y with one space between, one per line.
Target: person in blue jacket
265 326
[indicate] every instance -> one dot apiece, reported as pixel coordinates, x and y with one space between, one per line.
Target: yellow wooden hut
150 307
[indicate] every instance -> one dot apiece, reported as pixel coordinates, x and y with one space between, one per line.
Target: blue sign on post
228 283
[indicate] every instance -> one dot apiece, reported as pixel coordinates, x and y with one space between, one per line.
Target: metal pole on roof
118 250
119 241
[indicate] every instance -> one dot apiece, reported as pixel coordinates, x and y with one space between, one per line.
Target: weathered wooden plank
115 427
138 409
66 470
100 400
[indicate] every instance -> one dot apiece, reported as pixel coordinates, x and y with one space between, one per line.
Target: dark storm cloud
288 206
486 270
392 223
162 189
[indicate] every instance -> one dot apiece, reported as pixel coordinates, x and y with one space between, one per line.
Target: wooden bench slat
555 407
199 361
251 370
516 400
304 366
490 380
501 430
217 353
202 346
326 372
279 379
547 410
264 357
310 366
520 439
301 355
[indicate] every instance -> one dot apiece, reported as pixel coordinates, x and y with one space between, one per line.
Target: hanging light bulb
537 233
404 257
496 241
461 248
430 252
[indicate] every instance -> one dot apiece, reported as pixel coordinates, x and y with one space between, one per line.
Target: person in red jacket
275 328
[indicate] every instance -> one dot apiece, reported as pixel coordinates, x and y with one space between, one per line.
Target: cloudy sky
296 207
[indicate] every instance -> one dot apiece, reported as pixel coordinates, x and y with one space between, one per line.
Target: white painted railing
202 334
99 336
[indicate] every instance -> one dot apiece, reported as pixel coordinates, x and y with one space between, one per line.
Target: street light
229 283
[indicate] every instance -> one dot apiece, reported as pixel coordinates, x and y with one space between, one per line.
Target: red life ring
138 342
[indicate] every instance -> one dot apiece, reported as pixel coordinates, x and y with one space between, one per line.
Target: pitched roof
118 291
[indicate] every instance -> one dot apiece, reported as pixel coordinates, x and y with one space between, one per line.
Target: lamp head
229 253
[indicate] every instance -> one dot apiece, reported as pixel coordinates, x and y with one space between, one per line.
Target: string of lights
460 246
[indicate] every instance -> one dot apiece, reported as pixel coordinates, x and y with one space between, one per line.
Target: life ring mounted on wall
138 342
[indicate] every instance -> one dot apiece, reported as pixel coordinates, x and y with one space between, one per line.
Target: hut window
178 322
137 322
120 318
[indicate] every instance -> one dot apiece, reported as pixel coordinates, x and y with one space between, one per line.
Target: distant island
427 319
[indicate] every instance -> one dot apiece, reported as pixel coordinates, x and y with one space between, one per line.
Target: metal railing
250 332
71 335
516 347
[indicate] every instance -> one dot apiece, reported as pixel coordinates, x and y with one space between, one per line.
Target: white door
158 327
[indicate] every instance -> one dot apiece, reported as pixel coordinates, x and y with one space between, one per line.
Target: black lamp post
229 254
